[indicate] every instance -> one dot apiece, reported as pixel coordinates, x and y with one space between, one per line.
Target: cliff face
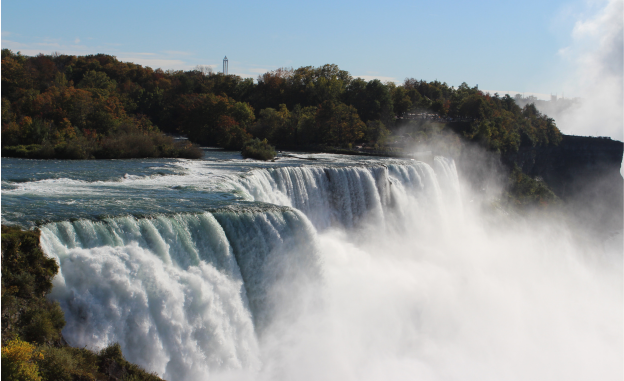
573 164
584 172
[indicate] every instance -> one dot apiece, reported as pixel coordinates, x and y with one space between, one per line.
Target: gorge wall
584 172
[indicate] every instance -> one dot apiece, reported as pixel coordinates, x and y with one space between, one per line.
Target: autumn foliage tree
46 115
339 124
91 106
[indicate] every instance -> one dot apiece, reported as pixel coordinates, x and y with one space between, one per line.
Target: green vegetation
26 280
95 106
258 149
32 344
119 146
527 193
98 107
50 110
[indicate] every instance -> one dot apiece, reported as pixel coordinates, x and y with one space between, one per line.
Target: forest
95 106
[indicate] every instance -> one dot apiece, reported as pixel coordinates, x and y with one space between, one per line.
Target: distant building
225 66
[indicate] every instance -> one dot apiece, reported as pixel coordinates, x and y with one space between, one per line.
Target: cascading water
347 196
367 270
172 290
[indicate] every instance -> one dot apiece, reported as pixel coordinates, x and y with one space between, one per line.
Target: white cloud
9 44
49 44
141 54
46 46
177 53
596 54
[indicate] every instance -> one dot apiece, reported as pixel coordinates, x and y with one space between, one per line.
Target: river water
316 266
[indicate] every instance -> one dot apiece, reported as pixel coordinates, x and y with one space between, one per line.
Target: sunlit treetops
85 102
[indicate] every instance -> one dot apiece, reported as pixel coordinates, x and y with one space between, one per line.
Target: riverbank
121 146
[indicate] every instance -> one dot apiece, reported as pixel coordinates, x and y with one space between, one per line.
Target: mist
596 56
470 291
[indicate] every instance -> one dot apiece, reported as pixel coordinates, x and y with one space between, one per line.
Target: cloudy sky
531 47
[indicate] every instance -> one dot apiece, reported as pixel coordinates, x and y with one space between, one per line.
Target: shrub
43 322
113 363
67 364
26 280
112 352
126 146
123 145
57 364
18 361
24 264
23 151
75 149
525 192
167 147
189 151
258 149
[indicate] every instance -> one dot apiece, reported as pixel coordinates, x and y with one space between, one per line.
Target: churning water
332 269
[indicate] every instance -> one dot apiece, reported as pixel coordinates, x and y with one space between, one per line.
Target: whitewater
317 266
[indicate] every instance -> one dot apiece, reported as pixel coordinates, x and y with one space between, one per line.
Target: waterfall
184 295
337 272
348 196
353 270
190 295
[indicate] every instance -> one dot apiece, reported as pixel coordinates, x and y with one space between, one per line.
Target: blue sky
499 45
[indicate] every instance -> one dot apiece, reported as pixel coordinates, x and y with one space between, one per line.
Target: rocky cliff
584 172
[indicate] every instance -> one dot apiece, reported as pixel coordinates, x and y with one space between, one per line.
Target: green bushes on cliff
26 280
526 193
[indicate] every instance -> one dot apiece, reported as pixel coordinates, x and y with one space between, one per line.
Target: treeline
61 102
33 348
46 115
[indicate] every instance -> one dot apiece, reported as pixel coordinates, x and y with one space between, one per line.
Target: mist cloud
596 54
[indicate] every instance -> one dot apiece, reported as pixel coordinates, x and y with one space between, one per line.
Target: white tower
225 66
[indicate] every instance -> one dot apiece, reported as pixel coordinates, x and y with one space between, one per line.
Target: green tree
339 124
401 101
306 131
272 125
376 132
97 80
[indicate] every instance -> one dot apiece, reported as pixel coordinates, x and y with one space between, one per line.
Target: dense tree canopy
68 103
